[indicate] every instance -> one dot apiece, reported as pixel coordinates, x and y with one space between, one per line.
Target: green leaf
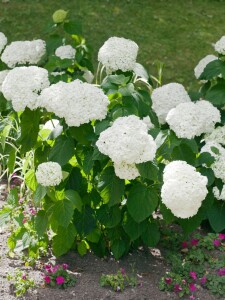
216 216
94 236
62 150
190 224
151 235
142 201
85 221
26 240
41 223
168 217
216 95
13 198
111 187
84 134
62 212
73 27
88 162
82 248
213 69
63 241
205 158
109 217
30 180
118 248
148 170
97 155
29 129
209 174
75 198
118 79
184 152
12 160
134 229
4 216
39 194
101 126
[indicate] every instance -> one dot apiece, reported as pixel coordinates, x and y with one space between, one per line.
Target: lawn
177 33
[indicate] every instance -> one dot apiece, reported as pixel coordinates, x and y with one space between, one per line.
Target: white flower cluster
78 102
183 189
218 168
208 147
219 195
3 75
118 54
217 135
49 174
24 52
198 70
3 41
220 45
22 86
190 119
65 52
167 97
127 143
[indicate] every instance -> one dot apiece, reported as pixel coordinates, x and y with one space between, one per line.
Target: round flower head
24 52
118 54
59 16
167 97
218 168
126 171
3 41
3 75
22 85
127 141
183 189
202 64
49 174
219 195
190 119
214 148
217 135
65 52
220 45
77 102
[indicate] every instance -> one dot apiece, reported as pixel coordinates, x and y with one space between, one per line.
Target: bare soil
149 266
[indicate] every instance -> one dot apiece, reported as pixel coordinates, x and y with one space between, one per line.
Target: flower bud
59 16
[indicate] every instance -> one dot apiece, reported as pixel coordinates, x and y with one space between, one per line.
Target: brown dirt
149 266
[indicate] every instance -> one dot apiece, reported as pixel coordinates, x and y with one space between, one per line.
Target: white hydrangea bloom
148 122
88 76
24 52
190 119
220 45
51 124
126 171
3 75
3 41
127 141
78 102
58 73
167 97
183 189
22 86
198 70
208 148
217 135
219 195
65 52
118 54
49 174
218 168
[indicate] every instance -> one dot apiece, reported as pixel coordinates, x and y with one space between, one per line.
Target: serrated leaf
62 150
216 217
118 248
88 162
41 222
73 27
213 69
148 170
82 248
13 198
151 235
109 217
134 229
216 94
4 216
63 240
62 212
75 198
30 180
12 160
84 134
39 194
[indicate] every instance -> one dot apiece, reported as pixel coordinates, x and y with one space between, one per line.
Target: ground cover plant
100 166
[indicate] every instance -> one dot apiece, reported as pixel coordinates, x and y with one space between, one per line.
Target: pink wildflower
184 244
221 236
122 270
192 287
55 268
47 279
168 280
118 289
184 281
60 280
65 266
192 297
221 272
203 280
193 275
24 220
194 242
216 243
48 268
24 277
177 288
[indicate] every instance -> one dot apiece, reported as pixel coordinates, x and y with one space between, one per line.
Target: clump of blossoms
78 102
66 51
3 75
220 45
214 148
49 174
24 52
190 119
217 135
22 86
3 41
219 195
167 97
218 168
118 54
183 189
198 70
127 143
58 276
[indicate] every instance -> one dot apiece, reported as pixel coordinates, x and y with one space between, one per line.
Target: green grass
176 32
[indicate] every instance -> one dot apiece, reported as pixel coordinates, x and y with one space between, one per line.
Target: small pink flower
60 280
65 266
193 275
24 277
184 281
122 270
221 236
21 200
48 268
47 279
192 297
192 287
24 220
177 288
55 268
221 272
184 244
194 242
168 280
118 289
216 243
203 280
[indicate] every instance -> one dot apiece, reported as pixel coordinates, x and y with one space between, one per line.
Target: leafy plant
21 282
